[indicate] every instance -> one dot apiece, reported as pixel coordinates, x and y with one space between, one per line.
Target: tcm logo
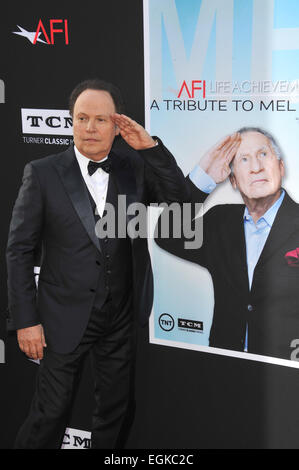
190 324
2 92
194 86
76 439
166 322
46 121
47 33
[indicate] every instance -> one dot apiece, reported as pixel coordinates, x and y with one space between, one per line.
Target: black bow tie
93 166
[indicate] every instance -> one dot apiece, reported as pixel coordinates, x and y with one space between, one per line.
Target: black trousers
110 340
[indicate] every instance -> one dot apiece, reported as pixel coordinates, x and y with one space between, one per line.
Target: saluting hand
215 162
132 132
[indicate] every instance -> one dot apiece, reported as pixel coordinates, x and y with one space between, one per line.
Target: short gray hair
274 144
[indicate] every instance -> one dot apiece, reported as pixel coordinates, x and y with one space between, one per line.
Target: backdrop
185 398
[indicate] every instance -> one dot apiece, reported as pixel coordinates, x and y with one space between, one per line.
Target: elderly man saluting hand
250 250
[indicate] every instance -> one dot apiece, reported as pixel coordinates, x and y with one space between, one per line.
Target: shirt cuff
202 180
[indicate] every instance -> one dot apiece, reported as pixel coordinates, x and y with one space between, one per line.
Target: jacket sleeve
23 241
163 179
191 242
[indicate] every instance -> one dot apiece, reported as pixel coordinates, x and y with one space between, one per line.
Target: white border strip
221 352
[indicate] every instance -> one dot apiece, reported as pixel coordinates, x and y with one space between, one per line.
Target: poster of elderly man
227 100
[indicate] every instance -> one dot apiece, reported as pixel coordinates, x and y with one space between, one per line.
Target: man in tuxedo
90 290
250 250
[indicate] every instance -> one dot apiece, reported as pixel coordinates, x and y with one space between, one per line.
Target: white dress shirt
97 183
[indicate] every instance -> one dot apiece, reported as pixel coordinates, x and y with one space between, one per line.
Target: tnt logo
47 32
166 322
195 85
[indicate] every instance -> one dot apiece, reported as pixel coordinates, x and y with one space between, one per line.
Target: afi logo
48 32
199 85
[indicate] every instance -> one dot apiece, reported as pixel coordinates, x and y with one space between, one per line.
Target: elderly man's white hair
274 144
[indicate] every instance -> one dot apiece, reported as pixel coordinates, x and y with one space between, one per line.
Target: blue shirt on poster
256 234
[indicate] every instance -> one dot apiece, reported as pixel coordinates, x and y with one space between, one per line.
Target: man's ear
116 131
282 168
232 179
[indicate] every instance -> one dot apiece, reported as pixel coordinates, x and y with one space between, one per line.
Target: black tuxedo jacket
53 208
271 307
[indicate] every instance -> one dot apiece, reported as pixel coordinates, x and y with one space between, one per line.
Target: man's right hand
215 162
32 341
132 132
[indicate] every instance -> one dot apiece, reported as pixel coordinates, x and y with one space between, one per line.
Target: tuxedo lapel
69 171
124 178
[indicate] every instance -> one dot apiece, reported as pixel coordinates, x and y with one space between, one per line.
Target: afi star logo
47 33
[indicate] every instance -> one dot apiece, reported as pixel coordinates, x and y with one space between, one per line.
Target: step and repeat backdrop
46 49
192 71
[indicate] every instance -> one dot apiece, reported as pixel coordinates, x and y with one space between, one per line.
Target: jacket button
249 307
98 263
92 290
